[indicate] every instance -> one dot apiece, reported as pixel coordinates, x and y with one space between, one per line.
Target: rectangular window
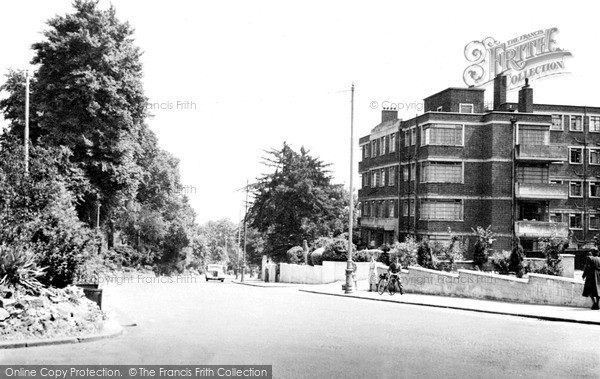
413 136
413 171
556 122
465 108
594 156
533 135
382 151
373 149
532 174
382 177
373 210
594 189
556 217
576 188
373 179
380 209
392 176
391 209
576 124
576 155
575 221
594 123
406 138
594 222
441 210
408 208
441 172
566 121
442 135
405 173
393 143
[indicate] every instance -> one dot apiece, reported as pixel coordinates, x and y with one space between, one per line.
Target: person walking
591 274
373 274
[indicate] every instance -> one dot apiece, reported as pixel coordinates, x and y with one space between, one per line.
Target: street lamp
349 268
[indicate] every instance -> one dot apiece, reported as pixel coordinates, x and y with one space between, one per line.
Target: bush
501 261
425 257
365 255
316 257
295 255
405 251
18 269
554 246
384 258
516 259
483 246
337 250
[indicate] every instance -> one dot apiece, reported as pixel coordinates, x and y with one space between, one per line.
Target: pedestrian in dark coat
591 274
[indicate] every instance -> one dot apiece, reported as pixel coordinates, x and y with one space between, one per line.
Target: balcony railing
537 229
544 153
541 191
379 223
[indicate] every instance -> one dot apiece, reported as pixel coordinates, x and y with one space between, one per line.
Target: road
310 335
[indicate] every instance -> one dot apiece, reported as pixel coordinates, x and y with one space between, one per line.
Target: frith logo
534 55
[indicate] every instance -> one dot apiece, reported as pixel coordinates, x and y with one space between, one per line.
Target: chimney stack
389 115
499 91
526 98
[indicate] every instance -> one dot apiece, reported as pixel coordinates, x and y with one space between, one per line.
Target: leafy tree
296 202
483 246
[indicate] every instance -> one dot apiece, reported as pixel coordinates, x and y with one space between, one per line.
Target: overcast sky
263 72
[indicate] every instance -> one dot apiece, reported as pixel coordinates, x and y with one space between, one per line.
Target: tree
483 246
296 202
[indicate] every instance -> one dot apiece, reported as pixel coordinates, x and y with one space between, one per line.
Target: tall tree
296 202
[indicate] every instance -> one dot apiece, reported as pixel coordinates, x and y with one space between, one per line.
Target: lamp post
349 268
26 136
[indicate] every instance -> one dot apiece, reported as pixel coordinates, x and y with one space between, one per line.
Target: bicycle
389 282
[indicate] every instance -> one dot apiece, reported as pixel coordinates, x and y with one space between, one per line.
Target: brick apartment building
525 169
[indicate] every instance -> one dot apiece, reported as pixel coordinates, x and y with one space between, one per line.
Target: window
405 174
465 108
373 179
406 209
594 124
575 123
392 176
382 178
413 136
365 151
441 210
533 135
406 138
380 209
383 144
532 174
594 221
556 217
575 188
442 134
576 155
441 172
413 171
594 156
594 189
373 149
556 181
393 143
373 212
391 209
556 122
575 221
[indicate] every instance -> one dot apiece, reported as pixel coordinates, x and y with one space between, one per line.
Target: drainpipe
513 204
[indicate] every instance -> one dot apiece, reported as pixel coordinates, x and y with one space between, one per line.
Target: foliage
554 246
365 255
296 202
517 257
18 269
501 261
295 255
406 252
337 249
425 256
316 257
483 246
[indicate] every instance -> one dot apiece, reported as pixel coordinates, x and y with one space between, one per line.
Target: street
310 335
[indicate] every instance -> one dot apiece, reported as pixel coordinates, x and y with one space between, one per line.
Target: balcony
537 229
541 153
541 191
379 223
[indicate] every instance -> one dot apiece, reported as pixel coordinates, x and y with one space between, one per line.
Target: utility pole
349 268
245 232
239 244
26 122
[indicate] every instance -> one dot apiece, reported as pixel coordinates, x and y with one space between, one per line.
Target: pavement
542 312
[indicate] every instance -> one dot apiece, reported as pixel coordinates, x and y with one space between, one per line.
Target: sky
227 80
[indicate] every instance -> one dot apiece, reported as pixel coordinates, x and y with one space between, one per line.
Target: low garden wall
535 289
328 272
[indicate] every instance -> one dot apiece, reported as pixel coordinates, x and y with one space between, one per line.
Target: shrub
316 257
295 255
18 269
501 261
483 246
405 251
425 257
516 259
365 255
554 246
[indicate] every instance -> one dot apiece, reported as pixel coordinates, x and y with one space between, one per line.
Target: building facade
528 170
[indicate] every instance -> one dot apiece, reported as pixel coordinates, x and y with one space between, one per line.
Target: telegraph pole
245 232
349 268
26 122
